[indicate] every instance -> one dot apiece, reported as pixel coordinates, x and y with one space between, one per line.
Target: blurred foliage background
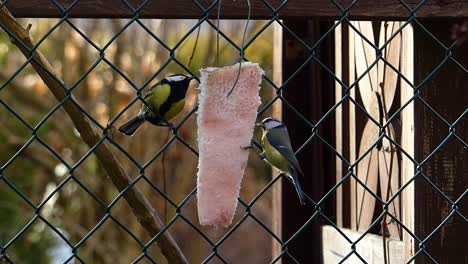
36 172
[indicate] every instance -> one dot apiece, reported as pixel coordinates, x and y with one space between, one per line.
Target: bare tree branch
144 212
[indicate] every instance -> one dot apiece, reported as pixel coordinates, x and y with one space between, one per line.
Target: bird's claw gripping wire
164 122
110 131
251 147
262 155
171 127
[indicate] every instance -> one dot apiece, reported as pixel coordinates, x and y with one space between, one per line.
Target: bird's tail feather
297 185
132 125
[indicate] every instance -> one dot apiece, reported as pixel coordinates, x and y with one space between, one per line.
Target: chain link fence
155 235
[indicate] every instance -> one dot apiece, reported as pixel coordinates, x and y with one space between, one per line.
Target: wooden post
339 122
407 138
277 203
342 132
311 93
352 128
445 92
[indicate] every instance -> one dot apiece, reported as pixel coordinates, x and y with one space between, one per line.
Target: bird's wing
279 139
297 184
147 97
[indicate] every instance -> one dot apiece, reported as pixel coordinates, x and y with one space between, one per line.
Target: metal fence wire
102 145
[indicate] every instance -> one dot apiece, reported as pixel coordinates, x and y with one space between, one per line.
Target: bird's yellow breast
273 156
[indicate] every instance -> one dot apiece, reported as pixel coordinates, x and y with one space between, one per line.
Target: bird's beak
260 125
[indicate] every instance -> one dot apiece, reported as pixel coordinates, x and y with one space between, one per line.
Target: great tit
165 100
278 152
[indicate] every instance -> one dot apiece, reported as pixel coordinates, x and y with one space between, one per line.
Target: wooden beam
363 9
344 127
277 203
352 128
310 92
408 168
447 169
305 247
339 123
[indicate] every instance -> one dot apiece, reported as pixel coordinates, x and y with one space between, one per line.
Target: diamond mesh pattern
113 218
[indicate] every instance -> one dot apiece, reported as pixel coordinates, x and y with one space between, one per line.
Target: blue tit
163 101
278 152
